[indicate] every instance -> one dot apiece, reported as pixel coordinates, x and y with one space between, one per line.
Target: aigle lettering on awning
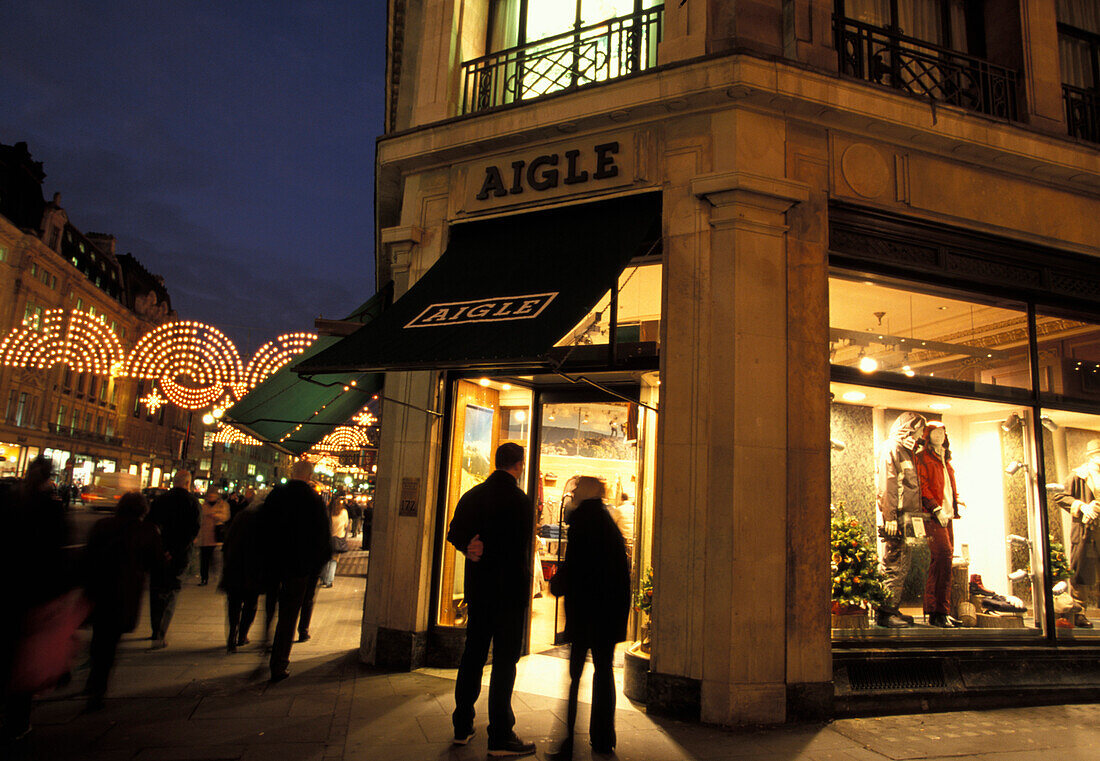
504 291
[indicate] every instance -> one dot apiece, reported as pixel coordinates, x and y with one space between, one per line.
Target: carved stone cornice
744 201
398 243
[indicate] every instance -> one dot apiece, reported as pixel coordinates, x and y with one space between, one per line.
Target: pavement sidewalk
192 701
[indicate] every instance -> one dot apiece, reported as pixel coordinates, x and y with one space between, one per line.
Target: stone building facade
817 166
83 421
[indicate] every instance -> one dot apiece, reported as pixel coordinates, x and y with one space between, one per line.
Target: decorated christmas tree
856 577
1059 567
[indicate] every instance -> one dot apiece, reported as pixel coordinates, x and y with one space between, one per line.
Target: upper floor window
32 316
1079 51
937 22
931 49
537 47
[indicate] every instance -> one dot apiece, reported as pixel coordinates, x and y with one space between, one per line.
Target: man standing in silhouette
493 526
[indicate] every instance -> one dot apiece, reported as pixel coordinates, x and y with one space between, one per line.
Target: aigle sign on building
551 171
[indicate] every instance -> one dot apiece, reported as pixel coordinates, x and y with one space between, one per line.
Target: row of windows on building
935 49
33 314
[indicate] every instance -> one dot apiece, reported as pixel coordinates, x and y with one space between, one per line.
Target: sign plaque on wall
410 497
551 171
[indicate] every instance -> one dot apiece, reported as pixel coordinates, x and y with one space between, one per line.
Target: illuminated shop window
900 331
638 311
966 546
909 362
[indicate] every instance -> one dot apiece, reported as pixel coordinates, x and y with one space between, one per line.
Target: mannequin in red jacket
940 500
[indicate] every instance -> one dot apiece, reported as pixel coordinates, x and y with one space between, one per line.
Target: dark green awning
293 413
505 290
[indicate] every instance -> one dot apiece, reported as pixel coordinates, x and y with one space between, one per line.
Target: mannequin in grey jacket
898 489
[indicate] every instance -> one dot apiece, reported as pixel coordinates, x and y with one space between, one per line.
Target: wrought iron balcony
1082 112
597 53
926 71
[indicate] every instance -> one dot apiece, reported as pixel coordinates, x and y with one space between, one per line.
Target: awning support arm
309 379
413 406
605 389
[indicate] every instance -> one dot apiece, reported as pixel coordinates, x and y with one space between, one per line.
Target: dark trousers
242 611
602 723
162 604
206 559
271 605
291 594
503 628
937 587
307 605
105 638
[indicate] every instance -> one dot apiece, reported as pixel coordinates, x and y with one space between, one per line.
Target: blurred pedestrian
493 526
236 502
215 514
355 513
368 524
295 533
177 514
121 549
33 573
242 574
594 578
338 520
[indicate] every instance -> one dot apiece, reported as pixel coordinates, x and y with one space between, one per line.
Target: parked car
107 488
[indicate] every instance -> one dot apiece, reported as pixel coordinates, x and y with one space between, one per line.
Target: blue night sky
228 145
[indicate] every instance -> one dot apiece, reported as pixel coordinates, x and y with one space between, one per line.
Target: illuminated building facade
78 412
863 209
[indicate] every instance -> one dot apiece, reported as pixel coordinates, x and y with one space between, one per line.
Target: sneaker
513 746
462 737
303 637
1081 622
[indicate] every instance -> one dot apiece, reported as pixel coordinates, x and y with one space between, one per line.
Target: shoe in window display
888 618
941 621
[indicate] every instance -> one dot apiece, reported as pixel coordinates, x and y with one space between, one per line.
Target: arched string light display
195 365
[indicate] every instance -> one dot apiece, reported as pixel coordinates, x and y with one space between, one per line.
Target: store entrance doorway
577 436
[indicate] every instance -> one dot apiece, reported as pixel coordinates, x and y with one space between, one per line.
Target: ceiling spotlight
868 364
908 371
1013 467
939 406
1018 575
853 396
1012 422
1017 540
484 383
505 386
837 445
1049 424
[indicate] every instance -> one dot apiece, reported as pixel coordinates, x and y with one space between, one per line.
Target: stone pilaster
721 563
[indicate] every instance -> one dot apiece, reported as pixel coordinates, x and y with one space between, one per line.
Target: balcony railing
597 53
926 71
1082 113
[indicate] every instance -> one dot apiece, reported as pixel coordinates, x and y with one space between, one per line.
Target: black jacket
178 516
120 550
242 571
295 532
596 577
503 516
